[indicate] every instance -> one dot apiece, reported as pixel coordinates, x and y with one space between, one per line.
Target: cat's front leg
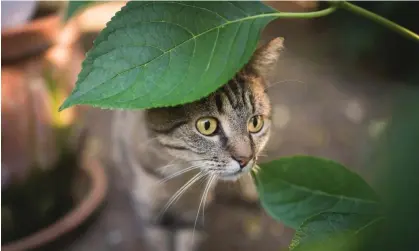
174 232
188 225
158 238
186 218
163 238
180 227
189 239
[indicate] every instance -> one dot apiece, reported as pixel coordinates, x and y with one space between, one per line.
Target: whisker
178 173
180 192
187 161
202 202
173 163
214 177
168 165
202 199
284 81
194 160
184 170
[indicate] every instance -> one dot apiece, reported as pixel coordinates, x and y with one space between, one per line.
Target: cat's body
216 138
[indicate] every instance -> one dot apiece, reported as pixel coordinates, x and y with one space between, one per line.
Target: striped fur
157 144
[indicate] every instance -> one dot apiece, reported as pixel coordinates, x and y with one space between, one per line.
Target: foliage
327 204
297 188
396 164
332 231
134 65
155 54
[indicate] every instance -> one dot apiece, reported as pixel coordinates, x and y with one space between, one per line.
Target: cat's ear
265 57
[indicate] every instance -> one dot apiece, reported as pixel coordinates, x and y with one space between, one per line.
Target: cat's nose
242 160
240 149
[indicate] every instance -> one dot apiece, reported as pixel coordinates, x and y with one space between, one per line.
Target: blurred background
335 91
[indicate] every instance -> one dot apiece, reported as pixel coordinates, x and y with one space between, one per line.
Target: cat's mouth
233 176
230 175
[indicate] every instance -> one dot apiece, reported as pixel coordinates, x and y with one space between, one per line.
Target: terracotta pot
92 185
40 64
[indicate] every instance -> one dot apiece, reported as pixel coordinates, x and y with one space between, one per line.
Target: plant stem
307 15
379 19
354 9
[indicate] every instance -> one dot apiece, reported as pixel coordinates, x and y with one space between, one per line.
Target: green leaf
74 7
334 232
155 54
294 189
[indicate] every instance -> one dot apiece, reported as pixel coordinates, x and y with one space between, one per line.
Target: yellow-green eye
206 126
255 124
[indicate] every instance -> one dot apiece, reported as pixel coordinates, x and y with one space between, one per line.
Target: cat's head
225 132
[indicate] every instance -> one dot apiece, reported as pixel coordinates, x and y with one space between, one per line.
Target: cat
164 150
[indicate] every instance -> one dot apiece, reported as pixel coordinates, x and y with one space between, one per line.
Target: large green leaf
334 232
154 54
294 189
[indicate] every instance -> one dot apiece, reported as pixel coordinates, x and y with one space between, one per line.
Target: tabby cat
165 150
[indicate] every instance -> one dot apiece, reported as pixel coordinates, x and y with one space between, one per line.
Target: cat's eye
255 124
207 126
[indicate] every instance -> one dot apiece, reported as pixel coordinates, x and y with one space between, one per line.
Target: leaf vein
201 8
210 58
231 46
319 192
193 37
239 8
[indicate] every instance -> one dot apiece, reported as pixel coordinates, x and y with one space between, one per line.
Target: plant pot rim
36 36
98 186
31 25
